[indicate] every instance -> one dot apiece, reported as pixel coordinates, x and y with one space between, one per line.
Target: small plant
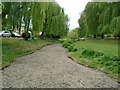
75 40
87 52
91 53
66 44
71 48
112 58
115 58
69 45
97 54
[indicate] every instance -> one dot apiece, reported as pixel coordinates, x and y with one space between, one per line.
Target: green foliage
113 58
105 29
55 21
83 29
12 48
73 33
108 47
47 17
90 53
100 18
69 44
51 40
71 48
110 63
100 54
115 25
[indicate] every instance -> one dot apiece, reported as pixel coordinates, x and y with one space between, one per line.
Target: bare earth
51 68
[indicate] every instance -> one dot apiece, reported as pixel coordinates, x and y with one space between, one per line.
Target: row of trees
47 17
74 33
100 18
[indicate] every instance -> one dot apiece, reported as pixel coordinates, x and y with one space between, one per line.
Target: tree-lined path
50 67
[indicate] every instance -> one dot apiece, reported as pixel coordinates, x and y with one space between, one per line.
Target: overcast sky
73 8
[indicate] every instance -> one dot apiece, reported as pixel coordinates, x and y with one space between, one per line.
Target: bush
97 54
66 44
71 48
115 58
69 45
108 61
108 58
75 40
91 53
61 41
87 52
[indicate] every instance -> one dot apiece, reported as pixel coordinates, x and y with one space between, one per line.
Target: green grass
98 53
52 40
108 47
106 65
12 48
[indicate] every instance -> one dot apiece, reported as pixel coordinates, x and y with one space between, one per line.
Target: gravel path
51 68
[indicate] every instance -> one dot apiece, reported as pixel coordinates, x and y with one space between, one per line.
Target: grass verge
98 54
13 48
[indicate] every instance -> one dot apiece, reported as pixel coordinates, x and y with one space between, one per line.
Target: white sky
73 8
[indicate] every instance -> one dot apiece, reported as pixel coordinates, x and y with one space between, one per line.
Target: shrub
97 54
69 45
91 53
61 41
66 44
108 63
115 58
108 58
87 52
71 48
105 58
75 40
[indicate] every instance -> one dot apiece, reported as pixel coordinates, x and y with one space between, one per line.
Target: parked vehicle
1 32
5 33
14 34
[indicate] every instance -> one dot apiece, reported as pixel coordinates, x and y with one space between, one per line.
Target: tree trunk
13 27
102 36
27 29
20 29
95 36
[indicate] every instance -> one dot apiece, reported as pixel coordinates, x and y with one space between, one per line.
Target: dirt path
51 68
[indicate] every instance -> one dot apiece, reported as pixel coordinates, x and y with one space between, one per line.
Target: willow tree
100 18
55 21
1 5
6 12
47 17
92 17
73 33
83 30
38 16
12 14
115 26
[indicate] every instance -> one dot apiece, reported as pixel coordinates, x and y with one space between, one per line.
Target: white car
14 34
1 32
5 33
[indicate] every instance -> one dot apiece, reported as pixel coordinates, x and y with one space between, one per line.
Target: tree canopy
100 18
46 17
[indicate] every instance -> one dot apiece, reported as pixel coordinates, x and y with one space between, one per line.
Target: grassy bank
12 48
99 54
108 47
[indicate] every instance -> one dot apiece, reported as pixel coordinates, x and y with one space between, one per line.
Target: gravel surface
51 68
